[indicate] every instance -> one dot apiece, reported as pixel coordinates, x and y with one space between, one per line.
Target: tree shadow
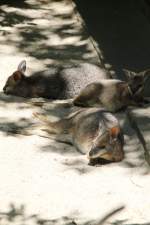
20 215
15 128
12 125
19 4
133 147
120 222
16 214
62 41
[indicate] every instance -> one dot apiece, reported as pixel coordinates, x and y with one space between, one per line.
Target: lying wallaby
92 131
111 94
136 83
35 86
60 83
115 94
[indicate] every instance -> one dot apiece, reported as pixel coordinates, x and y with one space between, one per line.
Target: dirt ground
43 181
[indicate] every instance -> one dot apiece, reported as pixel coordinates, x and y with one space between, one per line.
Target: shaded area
134 151
121 31
133 147
42 31
140 121
19 4
14 128
71 158
11 123
18 214
58 82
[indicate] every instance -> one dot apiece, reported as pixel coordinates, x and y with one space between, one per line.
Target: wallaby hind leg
88 96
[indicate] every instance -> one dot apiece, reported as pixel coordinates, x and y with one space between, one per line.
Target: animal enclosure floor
43 181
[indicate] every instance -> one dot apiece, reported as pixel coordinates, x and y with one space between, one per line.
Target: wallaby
55 83
93 131
113 95
136 83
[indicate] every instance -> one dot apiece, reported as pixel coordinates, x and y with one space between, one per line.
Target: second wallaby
113 95
92 131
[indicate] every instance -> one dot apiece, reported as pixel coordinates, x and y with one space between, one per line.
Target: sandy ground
42 181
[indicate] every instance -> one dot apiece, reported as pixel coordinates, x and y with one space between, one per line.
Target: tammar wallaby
92 131
113 95
55 83
136 82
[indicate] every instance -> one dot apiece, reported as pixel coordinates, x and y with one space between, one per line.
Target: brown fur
113 95
93 132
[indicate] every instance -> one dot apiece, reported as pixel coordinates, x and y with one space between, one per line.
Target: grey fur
89 130
55 83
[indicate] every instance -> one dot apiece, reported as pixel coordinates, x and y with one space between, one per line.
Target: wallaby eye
137 78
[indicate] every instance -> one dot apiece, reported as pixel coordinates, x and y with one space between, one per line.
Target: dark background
122 31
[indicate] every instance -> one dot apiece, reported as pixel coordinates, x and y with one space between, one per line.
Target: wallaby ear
22 66
17 76
114 131
128 73
146 74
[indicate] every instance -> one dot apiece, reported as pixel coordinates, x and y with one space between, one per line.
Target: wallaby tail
61 126
41 117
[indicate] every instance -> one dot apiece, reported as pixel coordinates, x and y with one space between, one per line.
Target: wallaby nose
4 88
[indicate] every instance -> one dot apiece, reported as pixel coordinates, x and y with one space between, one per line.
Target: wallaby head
14 80
136 80
109 146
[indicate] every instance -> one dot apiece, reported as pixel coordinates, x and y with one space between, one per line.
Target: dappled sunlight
20 214
133 148
41 33
17 119
46 181
16 116
10 127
